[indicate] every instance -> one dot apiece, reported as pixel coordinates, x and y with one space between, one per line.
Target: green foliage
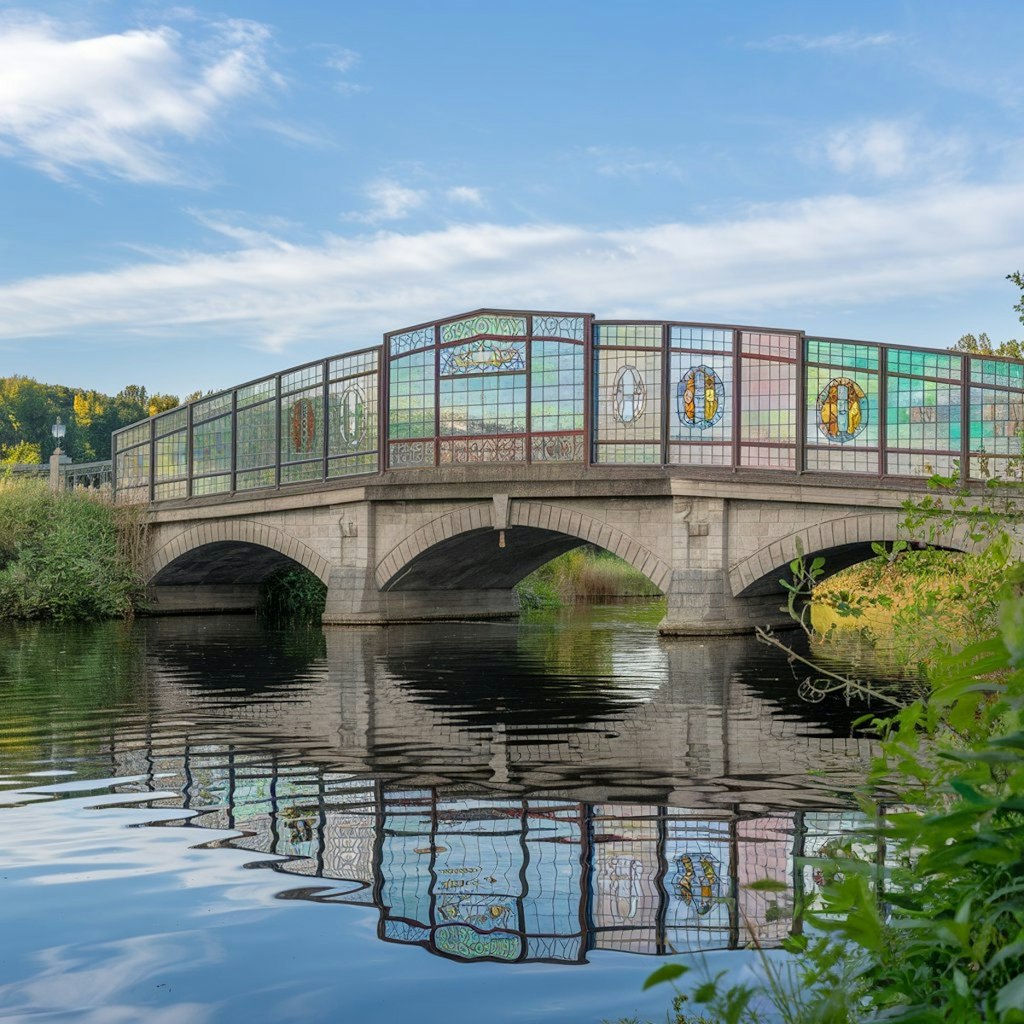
934 930
292 595
28 410
24 453
584 574
67 556
981 345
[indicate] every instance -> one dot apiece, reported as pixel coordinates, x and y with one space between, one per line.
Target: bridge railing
510 386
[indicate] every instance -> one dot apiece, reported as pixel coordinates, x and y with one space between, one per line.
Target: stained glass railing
499 386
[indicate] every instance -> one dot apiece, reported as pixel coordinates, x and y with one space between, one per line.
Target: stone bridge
423 478
419 547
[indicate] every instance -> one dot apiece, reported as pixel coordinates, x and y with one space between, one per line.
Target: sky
195 196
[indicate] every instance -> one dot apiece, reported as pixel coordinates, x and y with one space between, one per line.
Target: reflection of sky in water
493 795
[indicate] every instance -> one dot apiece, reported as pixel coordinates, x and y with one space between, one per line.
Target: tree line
29 409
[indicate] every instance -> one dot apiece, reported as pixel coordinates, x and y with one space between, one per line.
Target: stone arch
573 527
219 533
848 537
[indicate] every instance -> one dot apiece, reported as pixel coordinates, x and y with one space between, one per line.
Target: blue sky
193 196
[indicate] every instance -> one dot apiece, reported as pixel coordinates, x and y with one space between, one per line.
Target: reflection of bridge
473 877
423 478
628 814
683 724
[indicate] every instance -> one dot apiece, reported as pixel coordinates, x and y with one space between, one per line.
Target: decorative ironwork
842 409
568 327
421 338
459 450
411 453
557 448
700 397
484 356
485 323
629 394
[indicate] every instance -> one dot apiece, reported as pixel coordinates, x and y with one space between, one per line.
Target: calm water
201 819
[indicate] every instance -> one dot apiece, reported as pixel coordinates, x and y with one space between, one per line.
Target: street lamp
58 430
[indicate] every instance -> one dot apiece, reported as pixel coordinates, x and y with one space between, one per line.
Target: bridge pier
700 603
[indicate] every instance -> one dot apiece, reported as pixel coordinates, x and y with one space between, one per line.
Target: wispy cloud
632 163
389 200
837 42
465 194
112 104
839 249
894 149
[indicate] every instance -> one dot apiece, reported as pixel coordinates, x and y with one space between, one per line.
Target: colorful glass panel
483 405
843 410
556 386
486 323
569 327
487 355
211 447
257 436
768 397
412 395
700 398
632 335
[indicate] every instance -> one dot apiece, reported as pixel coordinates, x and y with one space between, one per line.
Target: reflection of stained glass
842 410
484 356
700 397
629 394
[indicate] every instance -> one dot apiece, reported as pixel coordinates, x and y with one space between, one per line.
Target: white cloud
631 163
389 200
341 59
838 249
466 194
110 104
892 149
837 42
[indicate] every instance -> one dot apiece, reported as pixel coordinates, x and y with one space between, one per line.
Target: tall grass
68 556
585 574
292 596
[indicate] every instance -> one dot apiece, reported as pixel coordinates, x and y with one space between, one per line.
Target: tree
24 453
981 345
1018 279
161 403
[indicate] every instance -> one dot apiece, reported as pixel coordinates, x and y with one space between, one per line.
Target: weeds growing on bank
67 556
292 596
581 575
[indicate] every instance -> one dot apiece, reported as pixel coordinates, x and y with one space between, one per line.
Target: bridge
422 478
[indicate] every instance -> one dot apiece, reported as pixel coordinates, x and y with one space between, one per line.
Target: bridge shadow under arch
841 542
469 549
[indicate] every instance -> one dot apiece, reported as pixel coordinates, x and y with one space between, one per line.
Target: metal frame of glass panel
523 386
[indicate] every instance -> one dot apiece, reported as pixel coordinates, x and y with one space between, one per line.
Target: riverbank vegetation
585 574
73 555
931 928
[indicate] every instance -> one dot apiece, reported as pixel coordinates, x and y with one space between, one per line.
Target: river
203 819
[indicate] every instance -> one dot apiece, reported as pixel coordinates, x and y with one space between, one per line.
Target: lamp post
58 458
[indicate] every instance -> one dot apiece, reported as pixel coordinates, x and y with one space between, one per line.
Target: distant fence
95 476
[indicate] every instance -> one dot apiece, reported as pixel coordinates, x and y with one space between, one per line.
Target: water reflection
502 792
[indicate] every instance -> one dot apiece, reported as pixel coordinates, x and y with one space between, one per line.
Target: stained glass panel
176 419
172 456
483 405
635 335
487 355
628 396
997 418
482 449
923 414
211 447
768 396
556 386
303 377
412 395
261 391
302 426
257 438
700 339
569 327
486 323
